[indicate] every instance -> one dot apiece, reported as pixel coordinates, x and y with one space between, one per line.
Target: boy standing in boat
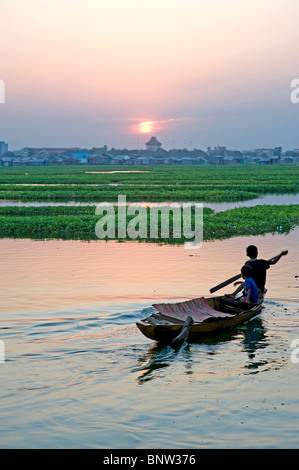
260 266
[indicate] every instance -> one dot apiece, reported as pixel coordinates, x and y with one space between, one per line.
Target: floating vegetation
69 222
205 183
194 183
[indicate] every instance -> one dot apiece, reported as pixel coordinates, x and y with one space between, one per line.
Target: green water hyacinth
202 183
69 222
156 183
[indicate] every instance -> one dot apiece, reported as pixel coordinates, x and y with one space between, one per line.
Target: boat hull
158 328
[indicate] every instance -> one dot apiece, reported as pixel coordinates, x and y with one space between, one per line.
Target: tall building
3 147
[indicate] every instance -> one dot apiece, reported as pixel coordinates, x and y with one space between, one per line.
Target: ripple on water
82 375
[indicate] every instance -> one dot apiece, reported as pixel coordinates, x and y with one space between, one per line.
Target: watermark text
295 92
2 352
2 92
295 353
155 221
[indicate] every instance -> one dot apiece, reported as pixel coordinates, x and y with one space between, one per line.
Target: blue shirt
250 284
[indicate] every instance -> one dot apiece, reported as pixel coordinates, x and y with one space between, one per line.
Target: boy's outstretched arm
277 258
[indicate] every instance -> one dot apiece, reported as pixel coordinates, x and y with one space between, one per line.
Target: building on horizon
153 145
3 147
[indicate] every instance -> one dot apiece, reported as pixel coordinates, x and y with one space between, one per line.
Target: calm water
267 199
78 373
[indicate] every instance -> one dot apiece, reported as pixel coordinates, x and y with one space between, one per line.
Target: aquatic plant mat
100 183
69 222
96 184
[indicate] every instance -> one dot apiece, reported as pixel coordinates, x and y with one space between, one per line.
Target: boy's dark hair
247 270
251 251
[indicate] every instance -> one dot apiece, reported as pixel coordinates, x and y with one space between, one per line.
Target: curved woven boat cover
198 309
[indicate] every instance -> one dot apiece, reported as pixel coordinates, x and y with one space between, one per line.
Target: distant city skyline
194 74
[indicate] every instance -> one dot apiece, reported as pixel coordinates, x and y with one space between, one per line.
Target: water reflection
267 199
254 337
160 357
250 337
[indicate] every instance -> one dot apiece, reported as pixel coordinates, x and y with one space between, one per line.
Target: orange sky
206 72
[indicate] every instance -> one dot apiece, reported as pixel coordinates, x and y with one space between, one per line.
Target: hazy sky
199 72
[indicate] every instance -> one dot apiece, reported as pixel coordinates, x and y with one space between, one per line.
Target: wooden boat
208 315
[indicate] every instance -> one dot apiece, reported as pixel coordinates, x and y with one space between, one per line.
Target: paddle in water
184 332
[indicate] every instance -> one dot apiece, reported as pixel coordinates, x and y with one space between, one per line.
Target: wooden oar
184 332
225 283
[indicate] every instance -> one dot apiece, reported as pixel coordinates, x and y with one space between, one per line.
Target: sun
146 127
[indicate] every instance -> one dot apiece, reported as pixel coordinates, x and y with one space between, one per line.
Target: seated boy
251 292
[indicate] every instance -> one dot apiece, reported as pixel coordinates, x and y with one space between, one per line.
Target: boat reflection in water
250 338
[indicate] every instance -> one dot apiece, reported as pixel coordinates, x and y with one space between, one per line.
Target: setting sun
146 127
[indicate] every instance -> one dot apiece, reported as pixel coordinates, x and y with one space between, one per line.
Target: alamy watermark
153 221
295 353
2 92
2 352
295 92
